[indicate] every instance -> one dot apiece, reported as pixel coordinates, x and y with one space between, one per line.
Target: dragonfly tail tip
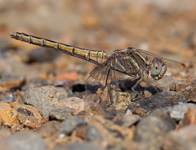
13 34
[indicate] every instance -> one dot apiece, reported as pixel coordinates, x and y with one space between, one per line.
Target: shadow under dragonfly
119 92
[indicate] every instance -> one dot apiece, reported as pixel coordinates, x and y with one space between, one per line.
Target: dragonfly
135 63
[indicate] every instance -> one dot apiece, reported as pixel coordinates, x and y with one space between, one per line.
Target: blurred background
167 28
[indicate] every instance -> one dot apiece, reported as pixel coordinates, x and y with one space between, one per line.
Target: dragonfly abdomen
94 56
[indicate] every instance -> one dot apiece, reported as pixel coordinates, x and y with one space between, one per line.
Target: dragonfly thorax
158 68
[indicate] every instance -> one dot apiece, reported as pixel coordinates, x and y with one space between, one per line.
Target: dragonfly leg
135 83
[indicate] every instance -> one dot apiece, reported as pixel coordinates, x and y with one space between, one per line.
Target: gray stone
60 114
79 146
159 100
25 140
177 112
39 81
69 125
41 54
92 134
9 97
184 139
151 131
116 148
48 129
4 132
129 120
46 98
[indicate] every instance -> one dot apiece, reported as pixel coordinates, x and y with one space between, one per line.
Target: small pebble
69 125
49 129
24 140
92 134
39 81
8 97
159 100
130 120
41 54
184 139
79 146
8 80
151 132
116 148
60 114
177 112
4 132
46 98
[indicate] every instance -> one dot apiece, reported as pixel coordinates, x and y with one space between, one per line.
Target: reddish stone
189 117
8 115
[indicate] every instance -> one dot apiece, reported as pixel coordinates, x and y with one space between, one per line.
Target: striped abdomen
94 56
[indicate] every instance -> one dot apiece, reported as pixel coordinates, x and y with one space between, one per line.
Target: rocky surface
25 140
43 102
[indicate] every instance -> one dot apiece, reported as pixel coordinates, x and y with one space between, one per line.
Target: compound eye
157 66
158 69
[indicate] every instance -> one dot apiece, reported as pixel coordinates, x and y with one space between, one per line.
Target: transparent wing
105 81
169 62
100 76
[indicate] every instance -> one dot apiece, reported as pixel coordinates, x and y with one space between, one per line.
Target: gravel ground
43 102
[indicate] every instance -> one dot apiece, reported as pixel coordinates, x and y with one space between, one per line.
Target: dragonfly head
157 68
